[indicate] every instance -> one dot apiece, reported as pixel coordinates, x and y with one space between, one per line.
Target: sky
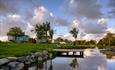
93 18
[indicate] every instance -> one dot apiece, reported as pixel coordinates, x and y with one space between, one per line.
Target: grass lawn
12 49
23 49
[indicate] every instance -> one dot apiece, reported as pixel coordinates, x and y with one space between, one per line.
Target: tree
109 36
51 32
43 30
39 31
109 40
74 33
91 42
46 27
15 32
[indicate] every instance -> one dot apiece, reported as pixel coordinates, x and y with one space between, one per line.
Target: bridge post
74 52
81 54
67 53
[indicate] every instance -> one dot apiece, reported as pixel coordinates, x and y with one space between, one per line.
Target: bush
74 47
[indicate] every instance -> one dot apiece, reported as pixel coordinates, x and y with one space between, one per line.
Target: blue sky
92 16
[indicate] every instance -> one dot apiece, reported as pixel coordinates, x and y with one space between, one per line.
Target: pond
92 61
62 63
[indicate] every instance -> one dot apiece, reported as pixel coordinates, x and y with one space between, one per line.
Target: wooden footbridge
70 52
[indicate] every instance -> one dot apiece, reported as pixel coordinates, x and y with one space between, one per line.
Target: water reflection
93 60
74 64
111 64
51 66
61 63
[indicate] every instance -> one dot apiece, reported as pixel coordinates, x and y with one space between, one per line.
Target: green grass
14 49
11 49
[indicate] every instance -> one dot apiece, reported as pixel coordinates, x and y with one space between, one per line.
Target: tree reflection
51 66
74 64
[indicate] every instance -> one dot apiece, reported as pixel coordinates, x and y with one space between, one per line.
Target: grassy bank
12 49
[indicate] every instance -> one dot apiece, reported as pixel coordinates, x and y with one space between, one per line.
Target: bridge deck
69 50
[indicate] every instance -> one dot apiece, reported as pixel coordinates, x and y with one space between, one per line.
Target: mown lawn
23 49
12 49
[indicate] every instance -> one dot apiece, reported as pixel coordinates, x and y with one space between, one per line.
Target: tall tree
46 27
109 36
15 32
43 30
74 33
109 40
39 31
51 32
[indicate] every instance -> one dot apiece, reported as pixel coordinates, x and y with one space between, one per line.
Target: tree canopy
109 40
44 31
15 31
74 33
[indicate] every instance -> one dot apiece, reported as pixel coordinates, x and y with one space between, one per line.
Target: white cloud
14 17
92 26
88 18
41 14
11 21
103 21
83 8
112 30
75 24
28 31
60 21
69 36
96 37
3 38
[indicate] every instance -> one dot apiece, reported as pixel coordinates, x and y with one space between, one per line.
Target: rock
4 68
40 58
45 57
38 54
21 59
15 65
4 61
26 60
33 56
12 58
45 52
29 60
32 68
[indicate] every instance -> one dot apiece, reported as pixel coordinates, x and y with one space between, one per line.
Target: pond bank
110 54
25 62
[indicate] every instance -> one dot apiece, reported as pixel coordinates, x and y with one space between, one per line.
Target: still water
93 60
62 63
